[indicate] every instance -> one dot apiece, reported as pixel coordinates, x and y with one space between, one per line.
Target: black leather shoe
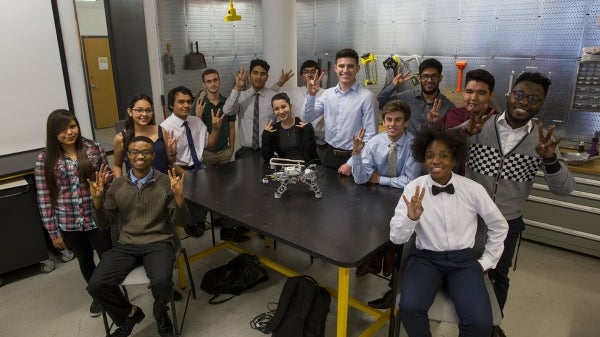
164 325
385 302
129 323
195 230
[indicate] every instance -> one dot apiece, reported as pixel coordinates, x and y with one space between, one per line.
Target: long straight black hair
58 121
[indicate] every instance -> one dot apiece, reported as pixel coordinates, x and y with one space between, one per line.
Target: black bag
242 272
302 309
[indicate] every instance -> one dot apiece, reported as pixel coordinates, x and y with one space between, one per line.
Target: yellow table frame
342 294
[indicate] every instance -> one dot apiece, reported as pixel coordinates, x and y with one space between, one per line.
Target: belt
191 167
340 152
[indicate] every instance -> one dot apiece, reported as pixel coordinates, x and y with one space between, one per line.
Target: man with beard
505 153
423 100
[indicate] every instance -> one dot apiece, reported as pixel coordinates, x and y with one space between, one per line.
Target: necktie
255 124
437 189
392 160
188 133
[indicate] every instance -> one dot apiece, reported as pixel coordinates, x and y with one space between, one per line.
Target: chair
442 308
138 277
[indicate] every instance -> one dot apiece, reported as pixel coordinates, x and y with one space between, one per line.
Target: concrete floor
554 293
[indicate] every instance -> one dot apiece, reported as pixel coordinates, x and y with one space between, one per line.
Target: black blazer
305 139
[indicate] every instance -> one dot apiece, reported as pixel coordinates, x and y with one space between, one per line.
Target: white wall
32 78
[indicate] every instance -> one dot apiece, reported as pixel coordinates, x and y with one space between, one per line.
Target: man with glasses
147 203
211 100
423 100
506 152
192 138
308 70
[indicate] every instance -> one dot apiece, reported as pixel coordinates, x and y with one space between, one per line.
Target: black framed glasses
140 110
309 72
144 153
520 95
433 77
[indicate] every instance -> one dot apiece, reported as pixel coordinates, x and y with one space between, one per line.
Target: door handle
95 86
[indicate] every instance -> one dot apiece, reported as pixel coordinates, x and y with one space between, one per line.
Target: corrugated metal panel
503 36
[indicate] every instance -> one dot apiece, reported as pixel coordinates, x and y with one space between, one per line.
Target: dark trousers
157 258
426 272
329 159
83 243
244 152
499 275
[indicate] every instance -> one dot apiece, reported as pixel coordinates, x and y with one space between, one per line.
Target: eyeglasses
144 153
309 72
519 95
426 77
140 110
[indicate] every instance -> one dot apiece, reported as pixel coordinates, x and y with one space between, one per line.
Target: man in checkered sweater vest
506 152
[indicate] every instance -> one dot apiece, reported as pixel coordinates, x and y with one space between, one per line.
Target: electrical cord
261 321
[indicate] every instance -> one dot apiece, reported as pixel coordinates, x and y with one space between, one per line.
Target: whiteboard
32 83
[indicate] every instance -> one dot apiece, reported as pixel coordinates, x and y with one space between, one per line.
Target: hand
546 146
107 175
301 124
358 143
374 178
240 79
400 78
200 107
59 243
433 114
285 77
176 182
345 170
217 118
269 126
172 143
313 86
476 121
97 187
414 207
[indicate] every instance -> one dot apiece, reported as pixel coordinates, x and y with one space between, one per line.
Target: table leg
343 295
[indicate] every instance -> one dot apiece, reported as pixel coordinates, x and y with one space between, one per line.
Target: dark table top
348 224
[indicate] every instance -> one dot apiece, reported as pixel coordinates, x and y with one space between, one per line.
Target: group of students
499 154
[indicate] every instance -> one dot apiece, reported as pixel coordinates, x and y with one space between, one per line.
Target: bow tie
448 189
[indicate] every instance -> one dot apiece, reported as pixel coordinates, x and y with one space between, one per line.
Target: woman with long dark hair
140 122
64 200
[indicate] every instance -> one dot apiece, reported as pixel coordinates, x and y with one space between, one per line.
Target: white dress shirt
199 135
449 221
509 137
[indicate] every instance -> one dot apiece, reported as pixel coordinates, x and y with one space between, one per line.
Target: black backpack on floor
242 272
302 309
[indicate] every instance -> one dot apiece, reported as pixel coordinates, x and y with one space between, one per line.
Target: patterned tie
255 124
188 133
392 159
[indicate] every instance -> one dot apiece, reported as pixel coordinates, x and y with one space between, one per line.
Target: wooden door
101 84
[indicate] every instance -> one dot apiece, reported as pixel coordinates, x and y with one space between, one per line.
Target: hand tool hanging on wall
368 60
196 58
168 61
461 66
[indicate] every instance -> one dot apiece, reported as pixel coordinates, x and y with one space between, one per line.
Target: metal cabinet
22 240
571 222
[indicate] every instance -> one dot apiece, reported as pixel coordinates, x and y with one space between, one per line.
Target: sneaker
95 309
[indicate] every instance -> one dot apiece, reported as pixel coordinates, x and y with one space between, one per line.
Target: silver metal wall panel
502 36
560 29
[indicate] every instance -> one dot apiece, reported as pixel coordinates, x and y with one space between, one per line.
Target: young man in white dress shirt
190 145
441 208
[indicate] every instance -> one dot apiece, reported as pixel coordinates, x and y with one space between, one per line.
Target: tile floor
554 293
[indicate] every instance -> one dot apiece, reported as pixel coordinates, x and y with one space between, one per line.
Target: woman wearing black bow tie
441 208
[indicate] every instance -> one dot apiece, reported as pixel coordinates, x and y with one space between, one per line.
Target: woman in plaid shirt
64 199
